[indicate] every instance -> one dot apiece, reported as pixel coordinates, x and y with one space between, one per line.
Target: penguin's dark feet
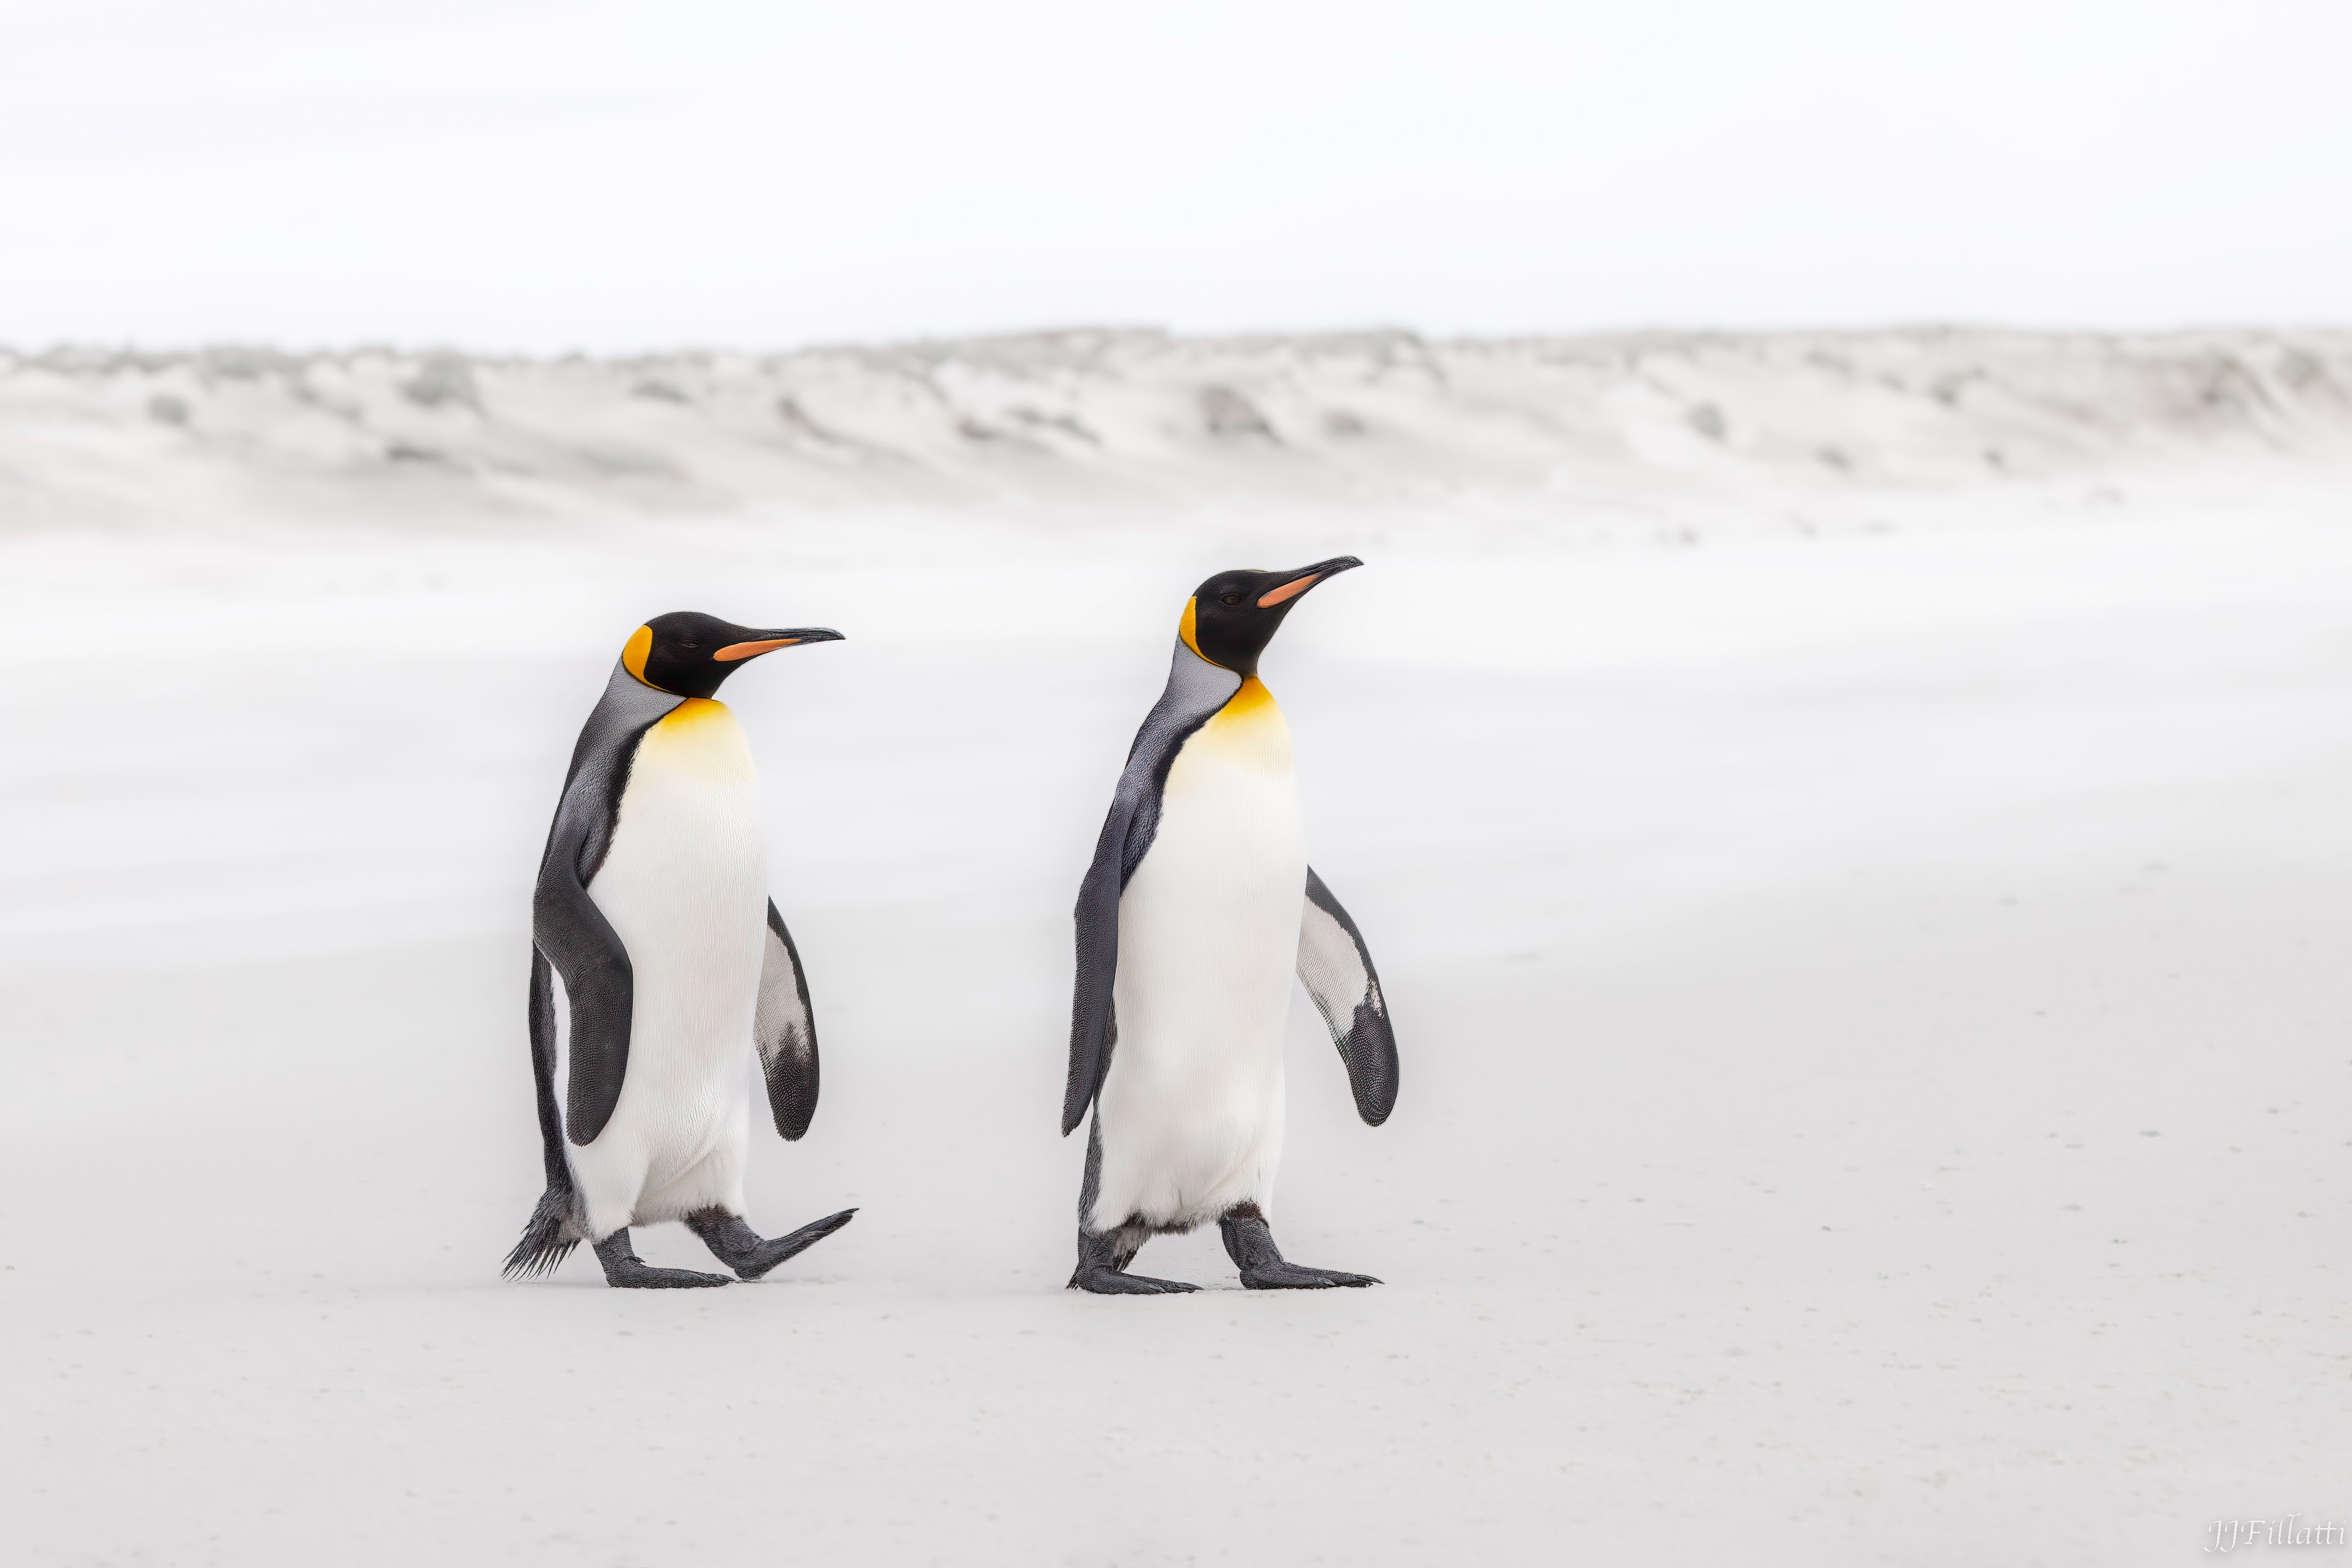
1112 1283
739 1247
1249 1242
624 1270
1298 1277
1102 1267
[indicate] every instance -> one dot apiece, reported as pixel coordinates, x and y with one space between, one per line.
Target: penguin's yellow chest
1248 732
697 742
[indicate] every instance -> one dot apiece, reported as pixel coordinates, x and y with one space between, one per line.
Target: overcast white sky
522 173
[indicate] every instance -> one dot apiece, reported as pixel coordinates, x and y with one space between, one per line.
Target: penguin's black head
1233 615
687 654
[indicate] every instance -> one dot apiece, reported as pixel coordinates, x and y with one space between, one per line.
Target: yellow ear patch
1184 628
633 656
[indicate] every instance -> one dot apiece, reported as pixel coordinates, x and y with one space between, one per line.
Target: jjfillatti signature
2229 1534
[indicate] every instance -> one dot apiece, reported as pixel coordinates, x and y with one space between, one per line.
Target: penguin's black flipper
1195 690
784 1029
1337 970
600 989
1092 1029
599 985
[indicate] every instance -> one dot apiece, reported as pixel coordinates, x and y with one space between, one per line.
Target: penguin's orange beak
753 649
1306 577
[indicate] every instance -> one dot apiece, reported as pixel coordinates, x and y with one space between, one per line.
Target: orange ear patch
633 656
1185 627
1288 591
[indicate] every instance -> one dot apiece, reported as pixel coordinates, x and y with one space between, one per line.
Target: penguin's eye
1229 598
688 645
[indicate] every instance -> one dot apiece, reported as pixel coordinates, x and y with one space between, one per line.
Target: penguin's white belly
684 885
1191 1109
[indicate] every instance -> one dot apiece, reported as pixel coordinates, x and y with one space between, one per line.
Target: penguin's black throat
689 654
1235 614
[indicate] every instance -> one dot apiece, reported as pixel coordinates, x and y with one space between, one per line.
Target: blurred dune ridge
1708 430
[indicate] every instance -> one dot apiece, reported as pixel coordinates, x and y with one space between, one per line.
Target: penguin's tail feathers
548 1236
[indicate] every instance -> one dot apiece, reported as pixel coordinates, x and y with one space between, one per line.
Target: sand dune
1683 428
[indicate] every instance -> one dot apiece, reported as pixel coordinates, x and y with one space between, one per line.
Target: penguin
651 907
1196 911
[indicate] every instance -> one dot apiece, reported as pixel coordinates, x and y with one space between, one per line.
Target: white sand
1865 944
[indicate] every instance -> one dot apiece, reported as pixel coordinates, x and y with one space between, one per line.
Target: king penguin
1199 907
651 907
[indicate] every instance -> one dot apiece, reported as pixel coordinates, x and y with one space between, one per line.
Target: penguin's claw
1103 1281
1298 1277
770 1253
